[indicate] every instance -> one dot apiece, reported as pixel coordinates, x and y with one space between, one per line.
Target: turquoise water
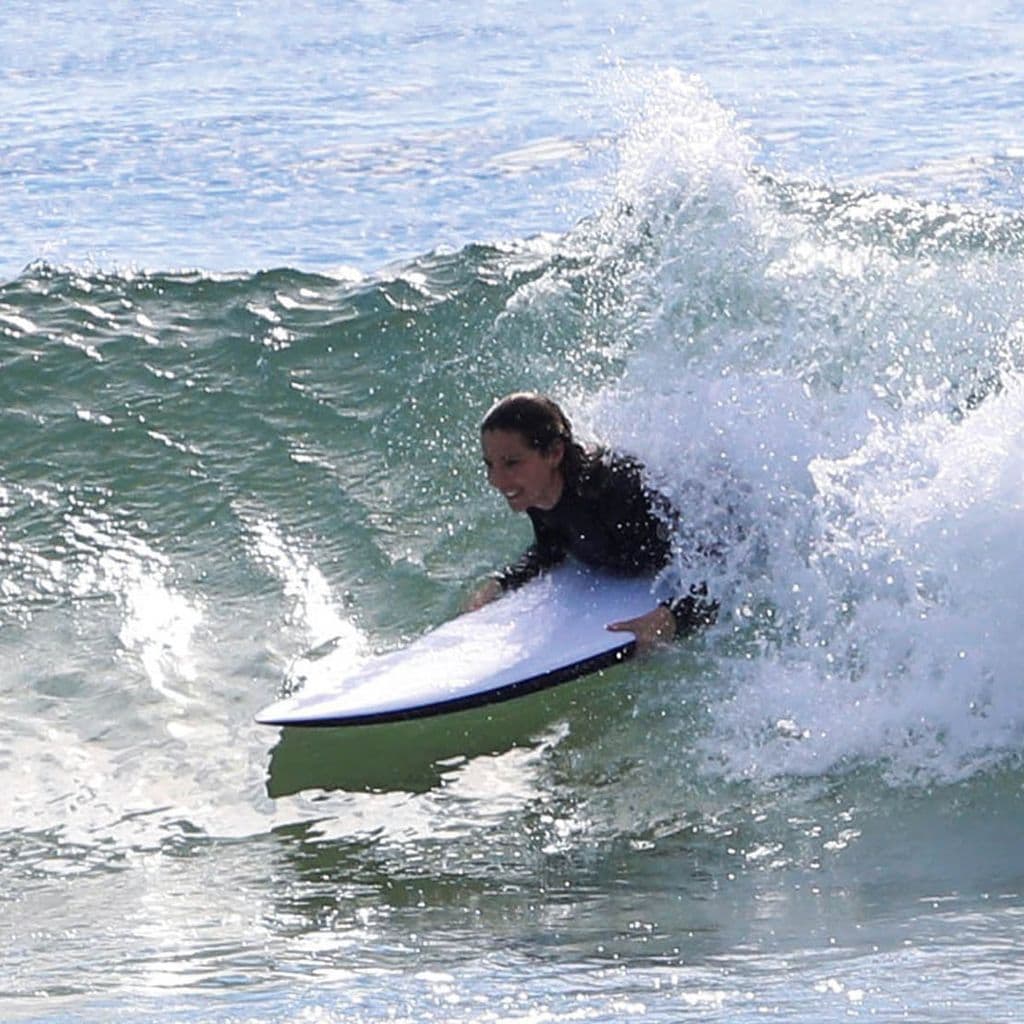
262 273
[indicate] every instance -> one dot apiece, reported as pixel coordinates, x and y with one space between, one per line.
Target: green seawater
205 476
810 812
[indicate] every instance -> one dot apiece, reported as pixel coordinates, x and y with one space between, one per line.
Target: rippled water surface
262 273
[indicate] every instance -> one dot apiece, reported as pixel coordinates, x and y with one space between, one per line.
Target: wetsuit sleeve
645 516
546 551
693 611
637 518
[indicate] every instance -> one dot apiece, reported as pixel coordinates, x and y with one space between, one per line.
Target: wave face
828 379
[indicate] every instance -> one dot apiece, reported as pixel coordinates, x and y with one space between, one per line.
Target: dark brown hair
540 422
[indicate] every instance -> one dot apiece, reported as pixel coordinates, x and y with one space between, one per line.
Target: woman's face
525 476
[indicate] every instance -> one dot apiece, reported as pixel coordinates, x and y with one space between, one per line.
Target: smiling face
527 477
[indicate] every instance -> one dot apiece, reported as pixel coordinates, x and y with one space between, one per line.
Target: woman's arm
488 591
676 618
543 553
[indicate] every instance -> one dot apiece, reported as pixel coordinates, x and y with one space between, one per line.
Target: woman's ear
556 452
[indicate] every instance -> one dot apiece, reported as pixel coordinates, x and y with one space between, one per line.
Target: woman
592 505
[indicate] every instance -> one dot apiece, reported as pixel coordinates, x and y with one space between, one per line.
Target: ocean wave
829 375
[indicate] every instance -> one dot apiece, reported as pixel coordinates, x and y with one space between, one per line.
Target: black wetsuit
609 519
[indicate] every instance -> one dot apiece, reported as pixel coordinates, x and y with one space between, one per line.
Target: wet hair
540 422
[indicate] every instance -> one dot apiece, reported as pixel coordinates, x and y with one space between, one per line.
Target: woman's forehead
504 442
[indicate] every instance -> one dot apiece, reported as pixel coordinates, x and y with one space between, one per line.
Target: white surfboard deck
547 632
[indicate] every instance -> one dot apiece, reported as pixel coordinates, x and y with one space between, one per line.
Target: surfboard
548 632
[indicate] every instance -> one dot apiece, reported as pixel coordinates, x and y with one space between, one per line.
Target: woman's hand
488 591
657 626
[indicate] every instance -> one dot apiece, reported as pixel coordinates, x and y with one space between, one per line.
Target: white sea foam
315 608
850 408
